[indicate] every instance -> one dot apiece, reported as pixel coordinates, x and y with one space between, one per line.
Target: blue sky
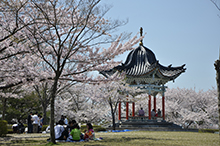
178 32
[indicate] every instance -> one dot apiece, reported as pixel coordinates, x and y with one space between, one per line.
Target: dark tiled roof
139 62
142 62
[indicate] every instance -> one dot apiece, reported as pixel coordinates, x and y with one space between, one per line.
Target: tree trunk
217 68
52 104
113 120
45 102
3 108
113 115
45 115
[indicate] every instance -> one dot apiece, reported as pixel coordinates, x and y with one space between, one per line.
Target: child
75 133
90 134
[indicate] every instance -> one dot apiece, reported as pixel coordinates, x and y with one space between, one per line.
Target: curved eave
107 73
170 72
160 71
165 73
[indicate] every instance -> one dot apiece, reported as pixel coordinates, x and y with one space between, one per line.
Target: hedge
3 128
208 130
96 128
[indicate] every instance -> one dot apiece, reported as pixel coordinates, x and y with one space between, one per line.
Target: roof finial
141 32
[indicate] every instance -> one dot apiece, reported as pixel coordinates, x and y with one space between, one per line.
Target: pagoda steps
151 125
154 129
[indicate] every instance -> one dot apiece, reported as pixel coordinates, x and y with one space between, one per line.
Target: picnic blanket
70 140
125 130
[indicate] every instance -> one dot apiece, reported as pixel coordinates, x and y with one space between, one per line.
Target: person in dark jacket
30 126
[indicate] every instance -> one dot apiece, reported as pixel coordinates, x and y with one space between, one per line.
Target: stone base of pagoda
152 129
145 118
149 125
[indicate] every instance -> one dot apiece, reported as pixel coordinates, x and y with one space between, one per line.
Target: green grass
139 138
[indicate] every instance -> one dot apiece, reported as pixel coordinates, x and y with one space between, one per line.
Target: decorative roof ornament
141 32
142 67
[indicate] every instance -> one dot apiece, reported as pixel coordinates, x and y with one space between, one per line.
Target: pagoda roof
141 63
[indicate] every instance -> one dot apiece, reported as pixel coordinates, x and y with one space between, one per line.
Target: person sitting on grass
75 133
60 131
69 127
89 134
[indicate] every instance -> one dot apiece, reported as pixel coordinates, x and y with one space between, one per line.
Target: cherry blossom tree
75 103
192 109
16 65
67 36
111 93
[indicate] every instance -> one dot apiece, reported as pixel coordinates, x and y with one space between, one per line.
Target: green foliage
208 130
83 127
20 108
44 127
47 117
9 126
99 129
3 128
96 128
10 131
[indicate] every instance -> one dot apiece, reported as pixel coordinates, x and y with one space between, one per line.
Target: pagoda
144 71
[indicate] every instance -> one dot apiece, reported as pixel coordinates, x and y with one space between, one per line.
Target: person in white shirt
35 119
59 131
153 113
66 121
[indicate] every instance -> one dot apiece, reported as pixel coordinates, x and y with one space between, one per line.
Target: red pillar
127 110
149 107
155 104
119 111
163 107
133 109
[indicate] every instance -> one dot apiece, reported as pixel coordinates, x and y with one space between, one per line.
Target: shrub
208 130
82 128
44 127
10 131
3 128
97 129
9 126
